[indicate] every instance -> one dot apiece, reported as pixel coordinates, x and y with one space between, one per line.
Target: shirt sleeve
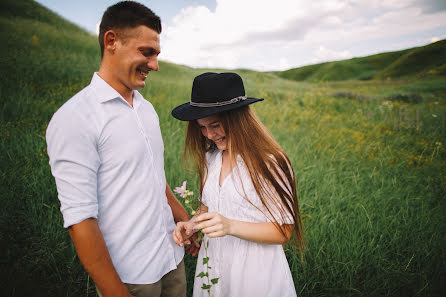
278 211
276 205
74 161
274 209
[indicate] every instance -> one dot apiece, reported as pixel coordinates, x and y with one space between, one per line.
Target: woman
248 202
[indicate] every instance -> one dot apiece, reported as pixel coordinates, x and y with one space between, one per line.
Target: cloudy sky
277 34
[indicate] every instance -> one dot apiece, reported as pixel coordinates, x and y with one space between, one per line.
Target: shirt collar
105 92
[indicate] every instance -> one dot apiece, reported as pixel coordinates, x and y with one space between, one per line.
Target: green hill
369 158
41 50
425 61
420 62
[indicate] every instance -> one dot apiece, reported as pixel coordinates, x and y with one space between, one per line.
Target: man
106 154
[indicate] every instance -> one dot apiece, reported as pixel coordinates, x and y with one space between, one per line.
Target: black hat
213 93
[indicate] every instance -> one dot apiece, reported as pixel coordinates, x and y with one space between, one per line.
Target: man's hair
127 14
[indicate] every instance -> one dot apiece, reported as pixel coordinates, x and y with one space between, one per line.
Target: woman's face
212 129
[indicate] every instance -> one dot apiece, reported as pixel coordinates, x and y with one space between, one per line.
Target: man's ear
110 39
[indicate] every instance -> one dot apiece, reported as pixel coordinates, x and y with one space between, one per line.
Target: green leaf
201 274
214 280
200 237
207 244
206 287
205 260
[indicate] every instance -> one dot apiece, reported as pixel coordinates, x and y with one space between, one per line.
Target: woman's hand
213 224
183 231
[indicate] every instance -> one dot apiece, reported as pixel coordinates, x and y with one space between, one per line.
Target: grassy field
369 156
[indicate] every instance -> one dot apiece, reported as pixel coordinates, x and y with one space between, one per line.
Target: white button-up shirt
107 160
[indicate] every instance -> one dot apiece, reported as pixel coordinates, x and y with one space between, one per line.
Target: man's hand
182 232
194 247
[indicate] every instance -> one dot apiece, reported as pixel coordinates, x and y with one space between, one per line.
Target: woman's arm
215 225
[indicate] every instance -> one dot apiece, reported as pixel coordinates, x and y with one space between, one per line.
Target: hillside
369 158
39 50
48 51
420 62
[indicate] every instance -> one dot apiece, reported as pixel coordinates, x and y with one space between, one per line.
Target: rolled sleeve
74 161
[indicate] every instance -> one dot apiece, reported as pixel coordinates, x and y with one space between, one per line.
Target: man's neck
126 93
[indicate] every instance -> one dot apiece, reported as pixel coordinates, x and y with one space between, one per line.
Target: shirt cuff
75 215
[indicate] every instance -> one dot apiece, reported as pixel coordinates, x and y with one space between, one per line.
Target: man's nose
153 63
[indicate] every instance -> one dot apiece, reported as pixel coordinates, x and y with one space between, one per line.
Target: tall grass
370 168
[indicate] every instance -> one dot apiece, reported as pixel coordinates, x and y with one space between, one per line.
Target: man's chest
129 139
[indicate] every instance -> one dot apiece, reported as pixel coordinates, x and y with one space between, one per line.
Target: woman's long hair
268 165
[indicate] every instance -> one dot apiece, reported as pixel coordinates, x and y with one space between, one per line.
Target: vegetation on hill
420 62
370 158
417 63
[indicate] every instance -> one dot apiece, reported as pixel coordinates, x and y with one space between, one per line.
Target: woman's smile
212 129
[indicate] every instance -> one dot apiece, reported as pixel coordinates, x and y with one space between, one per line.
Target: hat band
233 100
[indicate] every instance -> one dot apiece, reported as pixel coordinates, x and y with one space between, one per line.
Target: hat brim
187 112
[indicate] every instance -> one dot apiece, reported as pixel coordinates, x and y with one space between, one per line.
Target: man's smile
143 72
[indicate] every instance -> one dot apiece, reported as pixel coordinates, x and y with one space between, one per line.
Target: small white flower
181 190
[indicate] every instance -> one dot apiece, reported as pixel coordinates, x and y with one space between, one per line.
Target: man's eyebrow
149 49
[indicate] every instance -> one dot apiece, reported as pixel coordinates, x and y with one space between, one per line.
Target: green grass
370 166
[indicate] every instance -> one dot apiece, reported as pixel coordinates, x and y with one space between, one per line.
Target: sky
268 35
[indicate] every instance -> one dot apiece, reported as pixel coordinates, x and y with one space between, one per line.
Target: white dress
244 268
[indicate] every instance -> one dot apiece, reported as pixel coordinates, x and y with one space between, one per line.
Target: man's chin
139 85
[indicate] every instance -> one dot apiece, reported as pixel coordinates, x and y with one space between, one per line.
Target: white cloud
272 35
284 64
323 54
333 20
437 38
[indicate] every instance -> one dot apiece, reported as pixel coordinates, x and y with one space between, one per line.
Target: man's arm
178 211
74 160
94 255
180 215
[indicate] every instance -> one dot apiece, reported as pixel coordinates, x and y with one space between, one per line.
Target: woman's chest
236 198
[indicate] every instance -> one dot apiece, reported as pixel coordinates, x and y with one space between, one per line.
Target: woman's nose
210 133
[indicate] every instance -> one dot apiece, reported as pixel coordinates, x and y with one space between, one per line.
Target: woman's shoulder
211 156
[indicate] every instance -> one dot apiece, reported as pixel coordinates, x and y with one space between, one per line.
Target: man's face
135 56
